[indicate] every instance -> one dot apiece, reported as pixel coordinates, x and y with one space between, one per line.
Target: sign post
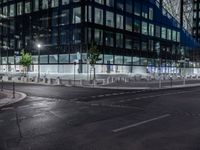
74 72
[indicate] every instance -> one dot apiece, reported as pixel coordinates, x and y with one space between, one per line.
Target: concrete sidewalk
142 88
7 97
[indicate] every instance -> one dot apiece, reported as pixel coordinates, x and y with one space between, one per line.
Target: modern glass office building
132 35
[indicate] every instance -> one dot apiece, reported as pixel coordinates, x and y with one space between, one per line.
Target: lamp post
39 47
74 73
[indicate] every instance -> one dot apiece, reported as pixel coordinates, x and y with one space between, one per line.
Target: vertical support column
181 12
161 3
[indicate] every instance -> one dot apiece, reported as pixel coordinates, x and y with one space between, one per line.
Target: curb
141 88
11 101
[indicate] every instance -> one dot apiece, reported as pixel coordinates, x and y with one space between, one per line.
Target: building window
178 37
127 60
151 13
169 34
129 6
195 15
144 28
137 26
63 39
195 5
54 36
136 61
65 2
53 58
88 13
129 24
137 9
27 7
43 59
136 44
5 11
19 8
145 11
36 5
118 59
98 16
128 43
119 40
76 15
174 36
151 45
108 59
110 3
109 39
120 4
120 22
75 1
100 1
109 19
163 33
44 4
64 58
12 10
157 32
144 46
54 3
76 36
151 29
64 17
98 35
157 48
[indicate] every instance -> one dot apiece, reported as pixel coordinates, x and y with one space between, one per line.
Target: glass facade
126 31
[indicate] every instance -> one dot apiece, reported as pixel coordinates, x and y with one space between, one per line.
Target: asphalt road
65 118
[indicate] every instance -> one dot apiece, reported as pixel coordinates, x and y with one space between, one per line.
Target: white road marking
139 123
165 94
100 95
115 94
38 115
116 106
94 104
55 114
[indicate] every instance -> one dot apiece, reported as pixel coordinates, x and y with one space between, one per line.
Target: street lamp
39 47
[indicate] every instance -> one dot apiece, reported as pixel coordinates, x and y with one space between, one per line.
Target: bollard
104 82
108 80
49 81
13 89
81 82
160 83
112 80
184 81
126 80
58 81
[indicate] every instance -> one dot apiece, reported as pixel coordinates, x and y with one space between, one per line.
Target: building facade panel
127 32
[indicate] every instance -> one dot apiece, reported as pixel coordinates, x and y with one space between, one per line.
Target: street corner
7 97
